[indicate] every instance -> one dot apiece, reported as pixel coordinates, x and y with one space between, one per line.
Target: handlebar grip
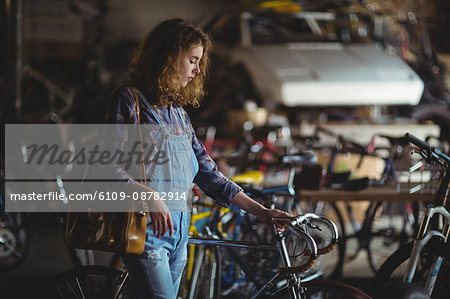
298 269
324 250
327 248
420 143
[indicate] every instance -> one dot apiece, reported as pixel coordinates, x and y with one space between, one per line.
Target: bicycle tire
15 233
321 289
394 268
90 282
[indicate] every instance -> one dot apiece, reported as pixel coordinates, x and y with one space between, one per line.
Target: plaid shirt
122 110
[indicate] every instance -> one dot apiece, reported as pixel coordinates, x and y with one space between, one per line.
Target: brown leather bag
120 232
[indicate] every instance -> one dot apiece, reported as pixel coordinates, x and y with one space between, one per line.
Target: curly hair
154 67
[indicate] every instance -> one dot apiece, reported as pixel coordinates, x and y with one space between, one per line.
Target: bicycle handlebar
430 153
312 250
334 232
420 143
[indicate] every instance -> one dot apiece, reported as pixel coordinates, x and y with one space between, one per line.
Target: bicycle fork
423 237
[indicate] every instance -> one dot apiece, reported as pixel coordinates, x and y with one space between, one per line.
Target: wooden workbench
369 194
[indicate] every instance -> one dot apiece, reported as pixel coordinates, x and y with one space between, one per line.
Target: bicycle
15 233
110 283
426 260
387 225
281 284
378 234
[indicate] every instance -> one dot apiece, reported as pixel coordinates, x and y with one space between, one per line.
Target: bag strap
142 174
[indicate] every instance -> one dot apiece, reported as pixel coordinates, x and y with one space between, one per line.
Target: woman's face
190 64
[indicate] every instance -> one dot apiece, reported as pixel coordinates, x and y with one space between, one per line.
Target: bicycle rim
15 233
91 282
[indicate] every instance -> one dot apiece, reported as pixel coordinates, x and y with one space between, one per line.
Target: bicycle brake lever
310 225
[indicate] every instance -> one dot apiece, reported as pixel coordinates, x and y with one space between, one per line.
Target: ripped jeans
157 272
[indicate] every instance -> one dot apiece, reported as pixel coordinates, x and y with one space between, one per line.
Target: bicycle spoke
80 288
88 282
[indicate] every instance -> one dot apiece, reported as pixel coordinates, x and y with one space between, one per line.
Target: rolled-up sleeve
210 179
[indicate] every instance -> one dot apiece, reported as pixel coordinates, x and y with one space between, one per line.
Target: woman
168 72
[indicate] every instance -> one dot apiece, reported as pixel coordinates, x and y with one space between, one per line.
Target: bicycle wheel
91 282
14 239
393 270
389 229
205 281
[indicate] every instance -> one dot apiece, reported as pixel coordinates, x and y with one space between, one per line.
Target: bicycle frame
423 237
293 281
439 207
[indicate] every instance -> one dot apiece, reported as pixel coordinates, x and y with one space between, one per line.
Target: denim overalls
157 273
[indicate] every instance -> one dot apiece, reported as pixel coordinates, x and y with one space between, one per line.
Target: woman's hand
159 213
266 217
161 219
264 214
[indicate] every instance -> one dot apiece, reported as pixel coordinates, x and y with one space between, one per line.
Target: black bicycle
426 260
104 282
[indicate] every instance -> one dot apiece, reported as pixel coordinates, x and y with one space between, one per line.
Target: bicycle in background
14 234
386 225
426 260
